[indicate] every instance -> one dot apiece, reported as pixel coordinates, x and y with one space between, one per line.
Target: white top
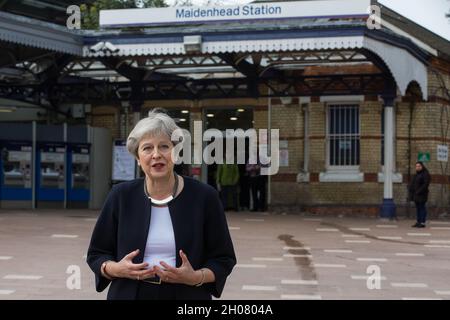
160 239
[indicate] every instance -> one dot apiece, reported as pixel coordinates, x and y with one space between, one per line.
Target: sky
428 13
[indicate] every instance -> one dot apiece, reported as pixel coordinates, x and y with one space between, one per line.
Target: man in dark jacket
418 192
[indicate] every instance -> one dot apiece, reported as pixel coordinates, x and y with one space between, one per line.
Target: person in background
262 188
418 192
244 188
227 179
257 186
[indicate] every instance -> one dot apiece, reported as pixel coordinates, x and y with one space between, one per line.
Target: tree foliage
90 12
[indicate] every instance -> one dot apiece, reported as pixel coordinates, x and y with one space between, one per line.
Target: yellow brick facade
430 126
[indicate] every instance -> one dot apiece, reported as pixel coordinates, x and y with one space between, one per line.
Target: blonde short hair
155 124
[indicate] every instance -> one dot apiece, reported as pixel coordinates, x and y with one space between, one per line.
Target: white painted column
66 154
388 149
388 208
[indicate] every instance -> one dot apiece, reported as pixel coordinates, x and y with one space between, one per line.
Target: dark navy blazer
200 230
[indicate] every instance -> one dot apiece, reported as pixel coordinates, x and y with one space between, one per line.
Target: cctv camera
110 47
97 47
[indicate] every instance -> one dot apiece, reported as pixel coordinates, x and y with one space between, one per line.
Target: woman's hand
185 274
125 268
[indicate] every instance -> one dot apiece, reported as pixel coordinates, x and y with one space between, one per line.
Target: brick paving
279 256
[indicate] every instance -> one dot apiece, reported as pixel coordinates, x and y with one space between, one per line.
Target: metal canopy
307 45
296 58
54 11
110 92
39 34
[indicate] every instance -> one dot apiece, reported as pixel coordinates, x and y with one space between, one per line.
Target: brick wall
425 136
289 119
370 133
317 138
106 117
428 120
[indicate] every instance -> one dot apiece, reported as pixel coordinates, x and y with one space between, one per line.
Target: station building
356 105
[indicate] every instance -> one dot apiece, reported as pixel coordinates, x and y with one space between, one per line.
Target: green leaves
90 12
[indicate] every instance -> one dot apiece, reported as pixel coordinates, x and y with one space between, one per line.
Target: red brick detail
370 177
276 101
284 177
410 99
441 64
313 177
437 99
435 178
440 179
370 97
348 69
315 99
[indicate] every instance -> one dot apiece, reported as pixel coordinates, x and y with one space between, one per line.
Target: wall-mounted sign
124 164
423 156
251 11
442 153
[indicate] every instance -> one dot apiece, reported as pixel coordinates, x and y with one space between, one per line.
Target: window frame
341 168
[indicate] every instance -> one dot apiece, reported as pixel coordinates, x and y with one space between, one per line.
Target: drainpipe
65 163
306 138
412 105
269 124
33 166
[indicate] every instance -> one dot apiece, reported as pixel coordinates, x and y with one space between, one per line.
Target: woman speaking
163 236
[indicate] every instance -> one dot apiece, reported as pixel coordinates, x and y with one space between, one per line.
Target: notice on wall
284 158
284 153
124 164
442 153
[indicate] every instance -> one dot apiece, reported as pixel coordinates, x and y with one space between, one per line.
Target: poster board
124 164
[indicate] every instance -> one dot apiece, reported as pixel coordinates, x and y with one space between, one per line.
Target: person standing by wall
257 186
244 188
418 192
227 180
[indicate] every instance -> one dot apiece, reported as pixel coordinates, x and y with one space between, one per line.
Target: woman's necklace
163 202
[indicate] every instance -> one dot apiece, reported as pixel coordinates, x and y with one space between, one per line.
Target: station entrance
230 118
